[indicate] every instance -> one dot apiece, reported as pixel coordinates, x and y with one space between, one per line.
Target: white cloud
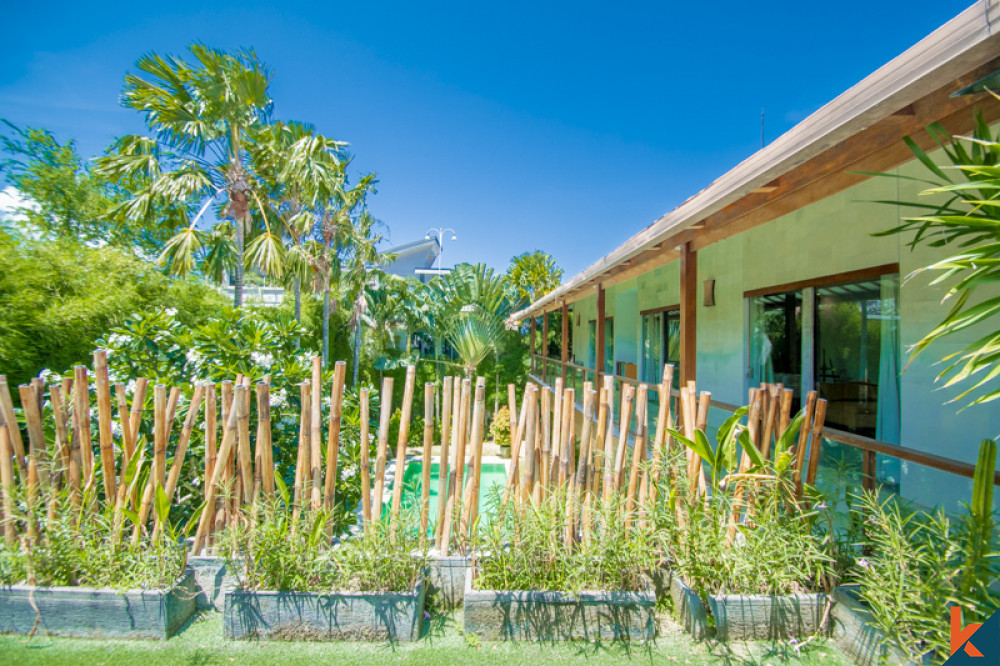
11 201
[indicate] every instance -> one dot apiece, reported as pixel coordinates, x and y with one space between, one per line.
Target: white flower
279 398
261 359
194 358
47 376
116 428
170 312
348 472
130 387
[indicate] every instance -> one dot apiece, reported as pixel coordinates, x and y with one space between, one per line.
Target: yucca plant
963 214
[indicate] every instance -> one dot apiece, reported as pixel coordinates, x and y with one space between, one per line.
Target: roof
969 41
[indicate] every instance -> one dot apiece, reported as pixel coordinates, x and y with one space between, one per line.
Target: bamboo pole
701 423
181 451
333 435
459 397
404 433
800 448
425 487
601 459
557 423
443 468
13 431
385 415
103 388
7 483
546 435
638 452
228 440
817 439
785 418
81 423
568 433
128 439
365 446
515 451
578 484
460 454
623 425
265 468
246 457
609 437
471 512
160 435
770 420
302 463
315 435
661 442
529 405
138 404
60 416
37 459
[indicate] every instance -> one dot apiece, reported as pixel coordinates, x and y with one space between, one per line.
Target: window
661 344
840 339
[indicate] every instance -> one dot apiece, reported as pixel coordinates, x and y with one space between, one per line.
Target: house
416 259
771 273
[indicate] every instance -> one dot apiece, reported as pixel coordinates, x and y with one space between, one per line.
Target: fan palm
199 115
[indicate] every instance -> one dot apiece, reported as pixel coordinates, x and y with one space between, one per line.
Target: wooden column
689 309
531 345
565 339
599 344
545 346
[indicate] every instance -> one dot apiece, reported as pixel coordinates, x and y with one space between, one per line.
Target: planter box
748 617
552 616
88 612
767 616
321 616
855 636
446 579
212 580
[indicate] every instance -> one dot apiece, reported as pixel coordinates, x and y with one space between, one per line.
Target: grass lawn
201 642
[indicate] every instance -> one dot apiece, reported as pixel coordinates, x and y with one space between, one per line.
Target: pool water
494 474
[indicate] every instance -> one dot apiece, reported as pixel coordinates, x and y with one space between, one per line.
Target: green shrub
500 427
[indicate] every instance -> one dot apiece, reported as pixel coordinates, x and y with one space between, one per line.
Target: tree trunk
238 269
298 300
357 354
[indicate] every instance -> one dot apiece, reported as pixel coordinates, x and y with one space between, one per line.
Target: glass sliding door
591 343
776 341
652 347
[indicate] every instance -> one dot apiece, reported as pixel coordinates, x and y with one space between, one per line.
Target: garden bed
212 581
446 579
553 615
323 616
751 616
88 612
854 633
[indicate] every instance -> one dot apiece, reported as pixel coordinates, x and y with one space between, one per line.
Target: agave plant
967 219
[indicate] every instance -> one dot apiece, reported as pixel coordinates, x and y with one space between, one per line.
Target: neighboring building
416 259
771 274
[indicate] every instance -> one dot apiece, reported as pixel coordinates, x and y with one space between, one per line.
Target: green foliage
500 427
523 548
76 546
59 298
966 220
279 550
921 563
533 274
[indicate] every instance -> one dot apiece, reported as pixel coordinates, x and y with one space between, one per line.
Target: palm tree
200 116
471 304
534 274
360 276
300 168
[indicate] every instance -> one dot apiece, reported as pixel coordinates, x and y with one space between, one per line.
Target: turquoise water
494 474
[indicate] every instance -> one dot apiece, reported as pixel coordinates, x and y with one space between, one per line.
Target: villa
771 274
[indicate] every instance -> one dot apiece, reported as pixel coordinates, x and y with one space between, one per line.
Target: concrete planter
88 612
446 579
748 617
552 616
212 580
855 636
320 616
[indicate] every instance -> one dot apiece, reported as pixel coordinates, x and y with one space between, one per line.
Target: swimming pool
494 474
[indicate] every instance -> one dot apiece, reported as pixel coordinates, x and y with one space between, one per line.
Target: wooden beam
531 345
564 349
599 344
689 313
545 347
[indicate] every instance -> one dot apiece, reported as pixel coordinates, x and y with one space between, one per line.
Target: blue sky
561 127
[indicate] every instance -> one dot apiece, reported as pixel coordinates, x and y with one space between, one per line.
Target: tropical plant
533 274
522 549
200 116
921 563
279 548
500 427
471 306
962 211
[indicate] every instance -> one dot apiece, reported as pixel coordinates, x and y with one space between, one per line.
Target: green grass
201 642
